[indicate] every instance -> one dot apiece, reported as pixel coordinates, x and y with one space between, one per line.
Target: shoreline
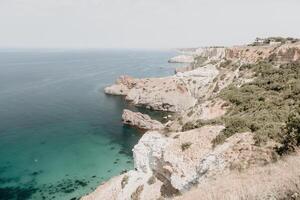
186 154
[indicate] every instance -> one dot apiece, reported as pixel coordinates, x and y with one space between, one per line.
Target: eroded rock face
183 69
173 93
184 153
275 51
180 160
166 94
211 53
279 180
122 86
148 152
182 59
278 53
132 185
176 158
208 110
188 158
288 53
141 121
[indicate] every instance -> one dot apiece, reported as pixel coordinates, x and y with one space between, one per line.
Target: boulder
141 121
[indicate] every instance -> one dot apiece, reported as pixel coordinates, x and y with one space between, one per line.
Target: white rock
123 187
148 152
182 59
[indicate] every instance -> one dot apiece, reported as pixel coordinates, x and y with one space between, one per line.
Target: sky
143 23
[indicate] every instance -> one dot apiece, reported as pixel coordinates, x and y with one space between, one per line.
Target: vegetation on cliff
269 40
268 106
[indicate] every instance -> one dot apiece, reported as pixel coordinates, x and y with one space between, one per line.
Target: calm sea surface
60 135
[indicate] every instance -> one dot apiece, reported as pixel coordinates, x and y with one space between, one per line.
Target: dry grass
280 180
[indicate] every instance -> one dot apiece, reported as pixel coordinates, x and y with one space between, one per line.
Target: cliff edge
234 132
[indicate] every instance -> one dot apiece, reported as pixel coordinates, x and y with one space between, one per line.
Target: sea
60 135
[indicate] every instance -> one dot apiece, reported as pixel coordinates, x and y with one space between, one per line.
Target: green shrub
264 105
232 125
192 125
185 146
199 123
292 136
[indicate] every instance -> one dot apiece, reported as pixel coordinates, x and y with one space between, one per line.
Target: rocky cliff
207 140
141 121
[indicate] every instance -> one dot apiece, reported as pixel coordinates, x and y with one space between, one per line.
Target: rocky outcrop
281 53
177 157
187 158
274 51
182 59
132 185
182 156
174 93
205 111
181 161
211 53
122 86
193 83
277 180
141 121
183 69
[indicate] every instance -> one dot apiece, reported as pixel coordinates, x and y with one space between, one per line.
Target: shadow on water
30 189
130 135
18 193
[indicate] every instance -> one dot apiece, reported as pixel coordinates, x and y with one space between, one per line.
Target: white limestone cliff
182 59
182 156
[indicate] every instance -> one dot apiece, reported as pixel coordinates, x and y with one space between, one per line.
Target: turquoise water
60 135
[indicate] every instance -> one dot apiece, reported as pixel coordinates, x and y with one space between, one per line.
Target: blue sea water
60 135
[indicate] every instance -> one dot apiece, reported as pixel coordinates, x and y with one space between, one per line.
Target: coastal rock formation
141 121
183 69
173 93
182 59
277 180
178 159
187 158
132 185
279 53
207 110
122 86
197 152
181 161
282 52
211 53
193 83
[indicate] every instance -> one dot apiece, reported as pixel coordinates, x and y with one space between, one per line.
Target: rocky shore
200 147
141 121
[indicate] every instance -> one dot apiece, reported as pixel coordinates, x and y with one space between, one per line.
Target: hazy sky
143 23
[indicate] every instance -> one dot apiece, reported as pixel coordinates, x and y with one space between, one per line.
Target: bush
185 146
199 123
264 105
232 125
292 136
